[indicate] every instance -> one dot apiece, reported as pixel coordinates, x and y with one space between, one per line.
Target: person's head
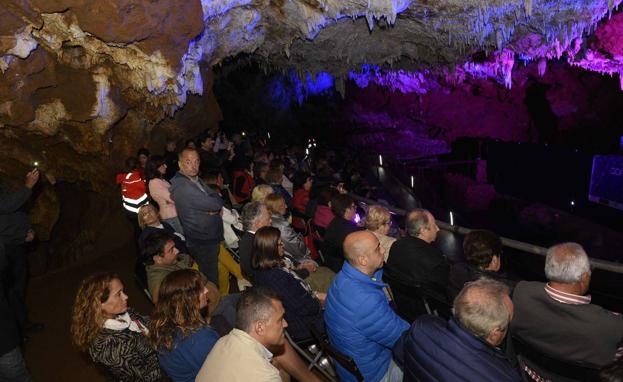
260 313
567 263
484 309
274 175
182 296
363 251
276 204
325 194
255 215
155 167
147 216
189 162
267 250
130 164
171 145
142 155
421 224
483 249
344 206
260 192
302 179
214 177
260 169
100 297
278 163
378 219
190 144
207 142
159 247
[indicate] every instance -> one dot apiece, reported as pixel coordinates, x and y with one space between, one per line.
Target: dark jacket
198 208
414 261
586 333
434 350
9 332
334 237
179 243
303 310
361 323
245 252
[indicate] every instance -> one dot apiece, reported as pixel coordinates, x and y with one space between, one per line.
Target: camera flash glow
35 163
380 160
412 181
572 203
451 218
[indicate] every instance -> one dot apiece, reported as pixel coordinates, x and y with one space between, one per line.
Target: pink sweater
159 191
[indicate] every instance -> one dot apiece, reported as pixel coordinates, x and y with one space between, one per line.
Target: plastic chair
536 366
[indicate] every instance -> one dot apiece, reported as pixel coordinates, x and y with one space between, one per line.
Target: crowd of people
307 261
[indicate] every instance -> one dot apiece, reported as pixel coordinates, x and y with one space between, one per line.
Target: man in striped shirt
558 317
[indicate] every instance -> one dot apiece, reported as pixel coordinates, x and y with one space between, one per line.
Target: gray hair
480 307
250 213
566 263
255 304
417 221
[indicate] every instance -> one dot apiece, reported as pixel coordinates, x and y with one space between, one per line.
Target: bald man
359 320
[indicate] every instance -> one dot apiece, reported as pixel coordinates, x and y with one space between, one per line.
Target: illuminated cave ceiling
94 78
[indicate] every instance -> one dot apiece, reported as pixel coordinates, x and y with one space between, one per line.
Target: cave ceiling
92 79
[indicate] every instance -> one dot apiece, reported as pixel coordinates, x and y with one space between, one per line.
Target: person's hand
321 297
311 267
32 178
30 236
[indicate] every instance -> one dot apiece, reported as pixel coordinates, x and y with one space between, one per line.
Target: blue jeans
206 257
13 367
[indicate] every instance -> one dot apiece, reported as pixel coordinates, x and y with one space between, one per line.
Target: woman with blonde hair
114 336
179 331
378 221
260 192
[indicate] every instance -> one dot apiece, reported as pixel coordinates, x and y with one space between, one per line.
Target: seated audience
178 330
558 318
483 251
260 192
260 169
343 207
359 320
214 179
255 215
256 350
285 182
414 260
323 216
242 183
149 222
114 336
465 348
378 221
165 258
274 176
303 304
302 183
319 277
155 171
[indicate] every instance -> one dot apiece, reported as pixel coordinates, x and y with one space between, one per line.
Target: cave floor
49 354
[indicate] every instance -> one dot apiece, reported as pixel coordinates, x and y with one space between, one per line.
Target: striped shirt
566 298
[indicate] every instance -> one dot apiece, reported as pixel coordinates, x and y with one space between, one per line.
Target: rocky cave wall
84 84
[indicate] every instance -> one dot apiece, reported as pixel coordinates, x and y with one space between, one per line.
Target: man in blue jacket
463 349
359 320
199 210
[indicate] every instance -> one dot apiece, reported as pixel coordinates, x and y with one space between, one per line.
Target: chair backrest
345 361
413 301
538 366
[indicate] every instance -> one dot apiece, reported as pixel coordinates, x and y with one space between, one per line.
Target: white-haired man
466 346
558 317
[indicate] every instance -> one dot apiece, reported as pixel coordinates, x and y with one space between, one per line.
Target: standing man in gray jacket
199 210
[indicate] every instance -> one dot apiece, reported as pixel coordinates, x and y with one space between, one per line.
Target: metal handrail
605 265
